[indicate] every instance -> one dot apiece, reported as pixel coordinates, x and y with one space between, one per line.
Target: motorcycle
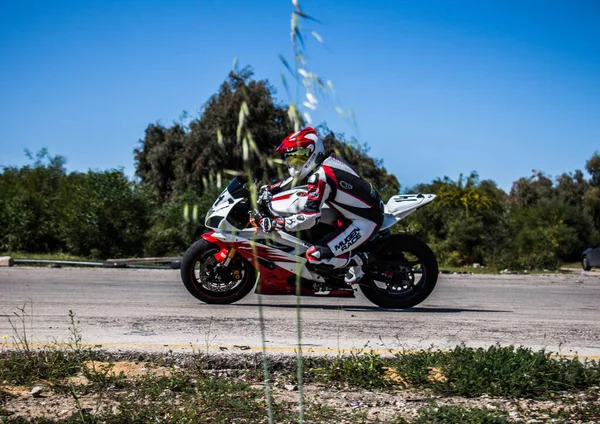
220 268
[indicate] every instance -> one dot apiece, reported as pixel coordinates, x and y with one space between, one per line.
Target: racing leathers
357 203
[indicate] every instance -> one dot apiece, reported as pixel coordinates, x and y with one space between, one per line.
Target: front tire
207 280
585 263
403 275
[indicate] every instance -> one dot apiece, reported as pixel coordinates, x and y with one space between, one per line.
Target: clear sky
438 87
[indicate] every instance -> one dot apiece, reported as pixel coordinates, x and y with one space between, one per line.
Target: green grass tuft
454 415
360 370
498 371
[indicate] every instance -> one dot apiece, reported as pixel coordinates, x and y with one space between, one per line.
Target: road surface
151 310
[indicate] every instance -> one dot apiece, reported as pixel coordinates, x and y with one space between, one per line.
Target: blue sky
438 87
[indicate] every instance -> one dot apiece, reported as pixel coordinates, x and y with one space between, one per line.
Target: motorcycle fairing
278 269
402 205
280 266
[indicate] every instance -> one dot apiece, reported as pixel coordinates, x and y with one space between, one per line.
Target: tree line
181 168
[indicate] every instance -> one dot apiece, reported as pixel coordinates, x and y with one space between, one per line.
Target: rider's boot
322 256
356 272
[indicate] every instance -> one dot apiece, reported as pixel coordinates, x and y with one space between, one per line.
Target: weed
455 414
25 365
586 413
4 396
415 366
364 370
498 371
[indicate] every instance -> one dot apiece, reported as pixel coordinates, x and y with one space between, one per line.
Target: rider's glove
269 224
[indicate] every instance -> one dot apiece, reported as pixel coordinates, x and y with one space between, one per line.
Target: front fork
225 256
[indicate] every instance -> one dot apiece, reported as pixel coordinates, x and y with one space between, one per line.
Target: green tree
177 159
179 222
31 204
174 160
156 161
357 156
466 194
592 195
463 224
105 215
547 233
528 191
593 167
571 188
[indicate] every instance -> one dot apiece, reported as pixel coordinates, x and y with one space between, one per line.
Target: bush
498 371
105 215
179 222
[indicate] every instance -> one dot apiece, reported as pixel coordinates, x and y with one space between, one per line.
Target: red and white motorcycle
221 266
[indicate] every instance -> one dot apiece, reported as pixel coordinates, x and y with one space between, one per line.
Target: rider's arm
280 186
318 193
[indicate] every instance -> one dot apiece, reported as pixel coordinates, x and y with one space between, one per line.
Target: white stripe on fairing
293 268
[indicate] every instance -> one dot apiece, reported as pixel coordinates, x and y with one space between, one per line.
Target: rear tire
585 263
403 275
207 281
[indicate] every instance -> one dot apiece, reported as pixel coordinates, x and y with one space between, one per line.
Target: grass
469 270
450 269
195 393
498 371
495 270
47 256
586 413
454 415
366 370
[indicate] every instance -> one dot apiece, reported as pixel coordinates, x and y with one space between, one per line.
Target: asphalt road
151 310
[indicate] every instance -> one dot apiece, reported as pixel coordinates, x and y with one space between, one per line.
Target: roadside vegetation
180 169
76 383
495 385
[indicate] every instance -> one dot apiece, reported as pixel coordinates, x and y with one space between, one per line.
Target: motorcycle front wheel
403 275
210 281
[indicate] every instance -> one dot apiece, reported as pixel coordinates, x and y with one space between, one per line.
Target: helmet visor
297 158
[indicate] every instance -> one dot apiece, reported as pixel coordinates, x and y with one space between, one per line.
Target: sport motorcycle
221 267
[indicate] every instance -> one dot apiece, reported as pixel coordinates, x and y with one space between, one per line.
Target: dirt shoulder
135 386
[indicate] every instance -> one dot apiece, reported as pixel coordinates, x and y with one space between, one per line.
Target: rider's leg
335 249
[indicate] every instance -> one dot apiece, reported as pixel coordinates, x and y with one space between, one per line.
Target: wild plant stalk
20 336
307 81
207 338
76 337
261 318
299 360
313 86
265 359
75 397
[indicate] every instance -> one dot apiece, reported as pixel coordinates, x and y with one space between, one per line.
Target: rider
329 180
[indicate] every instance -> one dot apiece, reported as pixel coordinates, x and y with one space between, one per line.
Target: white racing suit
355 200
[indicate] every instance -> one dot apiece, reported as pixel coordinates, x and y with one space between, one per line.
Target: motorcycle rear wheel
403 275
207 280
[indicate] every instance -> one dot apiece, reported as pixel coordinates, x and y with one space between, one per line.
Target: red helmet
302 151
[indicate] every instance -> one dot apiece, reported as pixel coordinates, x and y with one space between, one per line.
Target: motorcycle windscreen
236 189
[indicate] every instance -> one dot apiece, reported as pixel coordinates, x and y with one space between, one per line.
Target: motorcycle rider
334 182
